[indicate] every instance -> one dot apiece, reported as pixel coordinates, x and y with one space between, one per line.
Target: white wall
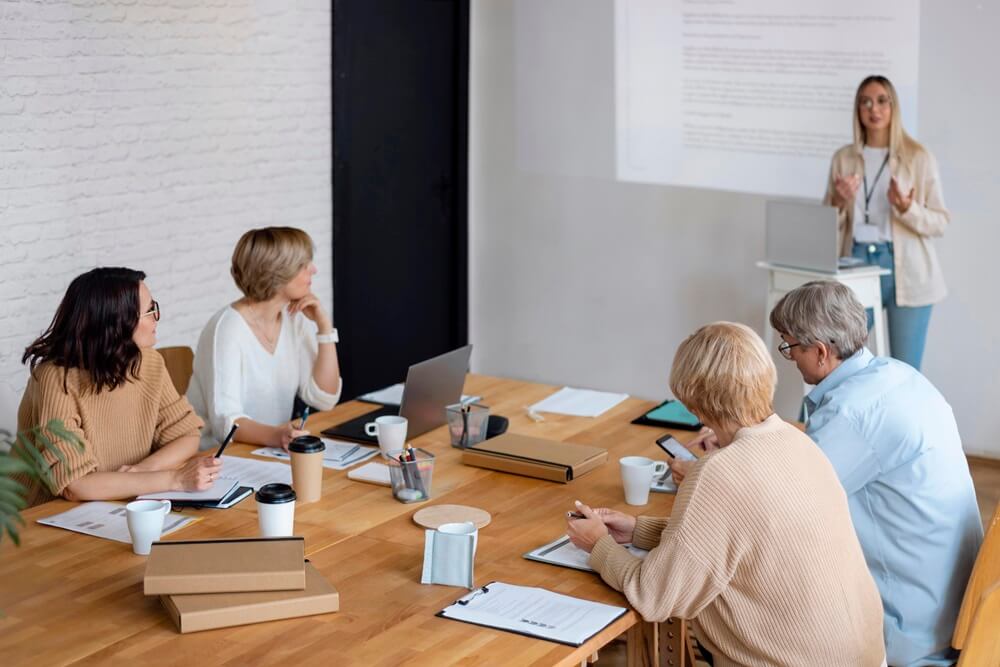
576 278
152 134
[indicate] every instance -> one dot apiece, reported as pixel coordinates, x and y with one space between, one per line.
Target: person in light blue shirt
893 440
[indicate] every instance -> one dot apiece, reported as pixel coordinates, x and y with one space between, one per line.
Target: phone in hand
674 449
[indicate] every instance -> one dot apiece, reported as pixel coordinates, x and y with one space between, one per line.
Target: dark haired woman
887 190
95 369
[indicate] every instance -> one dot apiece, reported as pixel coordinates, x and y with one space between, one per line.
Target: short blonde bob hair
265 260
724 375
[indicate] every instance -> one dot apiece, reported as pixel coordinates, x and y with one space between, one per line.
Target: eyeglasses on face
154 310
786 349
870 103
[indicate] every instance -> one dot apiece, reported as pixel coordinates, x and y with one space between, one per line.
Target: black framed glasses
154 310
786 349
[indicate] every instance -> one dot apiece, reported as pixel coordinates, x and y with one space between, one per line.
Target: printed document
535 612
255 473
107 520
338 455
579 402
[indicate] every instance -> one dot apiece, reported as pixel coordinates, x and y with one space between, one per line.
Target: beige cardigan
116 427
761 552
919 281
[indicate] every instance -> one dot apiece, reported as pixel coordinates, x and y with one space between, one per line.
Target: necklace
271 340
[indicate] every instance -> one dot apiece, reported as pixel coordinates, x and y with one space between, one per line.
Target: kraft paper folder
192 613
235 565
535 457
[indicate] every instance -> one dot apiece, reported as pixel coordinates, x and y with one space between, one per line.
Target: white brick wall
151 134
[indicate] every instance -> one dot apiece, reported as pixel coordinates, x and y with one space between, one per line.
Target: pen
575 515
305 416
418 481
347 454
225 442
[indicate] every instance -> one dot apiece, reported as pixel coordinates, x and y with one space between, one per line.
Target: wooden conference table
74 599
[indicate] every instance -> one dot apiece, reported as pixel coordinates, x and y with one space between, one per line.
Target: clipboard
598 615
670 413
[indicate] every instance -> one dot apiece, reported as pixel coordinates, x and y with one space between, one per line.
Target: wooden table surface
74 599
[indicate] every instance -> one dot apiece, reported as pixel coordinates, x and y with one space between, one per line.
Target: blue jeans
907 324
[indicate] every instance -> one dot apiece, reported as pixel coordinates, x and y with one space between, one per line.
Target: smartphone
674 449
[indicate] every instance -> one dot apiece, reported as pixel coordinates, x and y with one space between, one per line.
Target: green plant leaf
11 465
7 524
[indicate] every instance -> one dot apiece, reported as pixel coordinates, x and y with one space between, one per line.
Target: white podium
863 281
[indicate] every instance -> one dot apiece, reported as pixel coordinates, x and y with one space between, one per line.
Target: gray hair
823 311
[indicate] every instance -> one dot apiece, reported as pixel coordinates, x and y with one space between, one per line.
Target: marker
225 442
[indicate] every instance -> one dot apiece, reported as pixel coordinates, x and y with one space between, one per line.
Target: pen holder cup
411 480
467 424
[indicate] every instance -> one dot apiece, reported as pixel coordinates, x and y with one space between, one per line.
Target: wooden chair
982 643
180 365
983 583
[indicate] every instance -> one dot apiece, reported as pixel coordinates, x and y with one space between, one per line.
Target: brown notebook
535 457
192 613
225 566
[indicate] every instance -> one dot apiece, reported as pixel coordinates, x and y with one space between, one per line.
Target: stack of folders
206 584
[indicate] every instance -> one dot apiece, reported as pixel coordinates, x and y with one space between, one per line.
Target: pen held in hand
225 442
574 515
305 416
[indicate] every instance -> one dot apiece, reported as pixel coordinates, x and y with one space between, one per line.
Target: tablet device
670 414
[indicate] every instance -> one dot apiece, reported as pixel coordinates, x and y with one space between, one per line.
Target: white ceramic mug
145 523
391 432
462 528
637 476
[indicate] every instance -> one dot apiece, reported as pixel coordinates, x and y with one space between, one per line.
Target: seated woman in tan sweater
759 549
95 369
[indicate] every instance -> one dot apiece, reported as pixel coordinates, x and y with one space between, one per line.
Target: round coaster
435 515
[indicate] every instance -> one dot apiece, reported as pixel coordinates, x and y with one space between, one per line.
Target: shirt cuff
319 399
648 530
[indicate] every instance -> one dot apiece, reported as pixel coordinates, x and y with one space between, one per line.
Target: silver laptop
430 386
803 235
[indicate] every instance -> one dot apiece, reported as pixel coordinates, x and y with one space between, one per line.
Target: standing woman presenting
887 192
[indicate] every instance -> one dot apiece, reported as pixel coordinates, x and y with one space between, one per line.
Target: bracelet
332 337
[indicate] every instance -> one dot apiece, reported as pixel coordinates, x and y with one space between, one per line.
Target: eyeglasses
786 349
869 103
154 310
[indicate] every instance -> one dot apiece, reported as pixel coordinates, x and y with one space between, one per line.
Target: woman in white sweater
256 354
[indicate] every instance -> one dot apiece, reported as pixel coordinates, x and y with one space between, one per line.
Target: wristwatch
332 337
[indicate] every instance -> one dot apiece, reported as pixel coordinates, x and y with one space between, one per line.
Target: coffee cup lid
306 444
275 494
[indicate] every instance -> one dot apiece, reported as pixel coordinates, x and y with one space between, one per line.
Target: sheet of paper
107 520
220 488
373 473
579 402
339 455
255 473
562 552
393 395
534 611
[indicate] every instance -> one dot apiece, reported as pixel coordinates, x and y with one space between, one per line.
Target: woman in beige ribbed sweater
759 549
95 369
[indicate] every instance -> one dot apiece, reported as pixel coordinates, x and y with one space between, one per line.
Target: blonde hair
724 375
901 145
267 259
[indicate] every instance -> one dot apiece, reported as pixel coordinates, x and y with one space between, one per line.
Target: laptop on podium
803 235
430 386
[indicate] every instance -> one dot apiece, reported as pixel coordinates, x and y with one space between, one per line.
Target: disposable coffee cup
391 432
276 510
145 523
637 476
307 467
